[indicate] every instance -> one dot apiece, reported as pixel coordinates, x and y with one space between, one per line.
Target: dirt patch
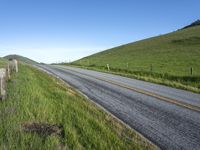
45 129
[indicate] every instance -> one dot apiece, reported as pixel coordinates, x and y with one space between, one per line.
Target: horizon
60 31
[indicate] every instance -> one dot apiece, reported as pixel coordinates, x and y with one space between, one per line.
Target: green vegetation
3 62
21 58
35 99
166 59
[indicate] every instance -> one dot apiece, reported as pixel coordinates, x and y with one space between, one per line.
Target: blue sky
65 30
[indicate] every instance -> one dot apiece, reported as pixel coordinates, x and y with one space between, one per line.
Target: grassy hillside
42 113
167 57
21 58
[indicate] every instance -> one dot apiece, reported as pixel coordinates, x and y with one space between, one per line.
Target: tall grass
34 96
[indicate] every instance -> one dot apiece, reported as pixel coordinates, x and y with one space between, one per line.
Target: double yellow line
157 96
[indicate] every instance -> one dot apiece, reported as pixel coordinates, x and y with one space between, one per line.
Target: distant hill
174 53
196 23
20 58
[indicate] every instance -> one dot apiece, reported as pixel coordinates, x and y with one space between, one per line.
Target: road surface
168 117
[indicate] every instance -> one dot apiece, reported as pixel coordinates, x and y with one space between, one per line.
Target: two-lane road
168 117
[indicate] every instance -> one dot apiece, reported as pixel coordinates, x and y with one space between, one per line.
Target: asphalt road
168 117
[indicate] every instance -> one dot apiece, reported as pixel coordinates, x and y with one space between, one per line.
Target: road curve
173 124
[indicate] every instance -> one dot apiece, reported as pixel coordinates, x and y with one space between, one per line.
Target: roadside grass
37 98
166 59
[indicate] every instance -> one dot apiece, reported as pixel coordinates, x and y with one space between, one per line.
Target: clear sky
62 30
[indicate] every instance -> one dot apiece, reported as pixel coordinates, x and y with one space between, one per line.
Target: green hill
169 57
21 58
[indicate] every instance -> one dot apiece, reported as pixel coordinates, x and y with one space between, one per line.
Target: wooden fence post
151 68
191 71
8 72
108 67
2 83
5 76
16 65
127 65
13 64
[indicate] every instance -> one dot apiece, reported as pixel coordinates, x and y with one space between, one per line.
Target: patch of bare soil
43 128
46 129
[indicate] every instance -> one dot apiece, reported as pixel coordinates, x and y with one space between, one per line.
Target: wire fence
150 68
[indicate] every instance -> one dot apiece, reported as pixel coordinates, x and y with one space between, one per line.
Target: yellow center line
159 97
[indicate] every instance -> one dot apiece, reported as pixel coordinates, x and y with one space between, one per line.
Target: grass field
42 113
166 59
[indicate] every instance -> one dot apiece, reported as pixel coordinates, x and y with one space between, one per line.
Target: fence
178 70
5 76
